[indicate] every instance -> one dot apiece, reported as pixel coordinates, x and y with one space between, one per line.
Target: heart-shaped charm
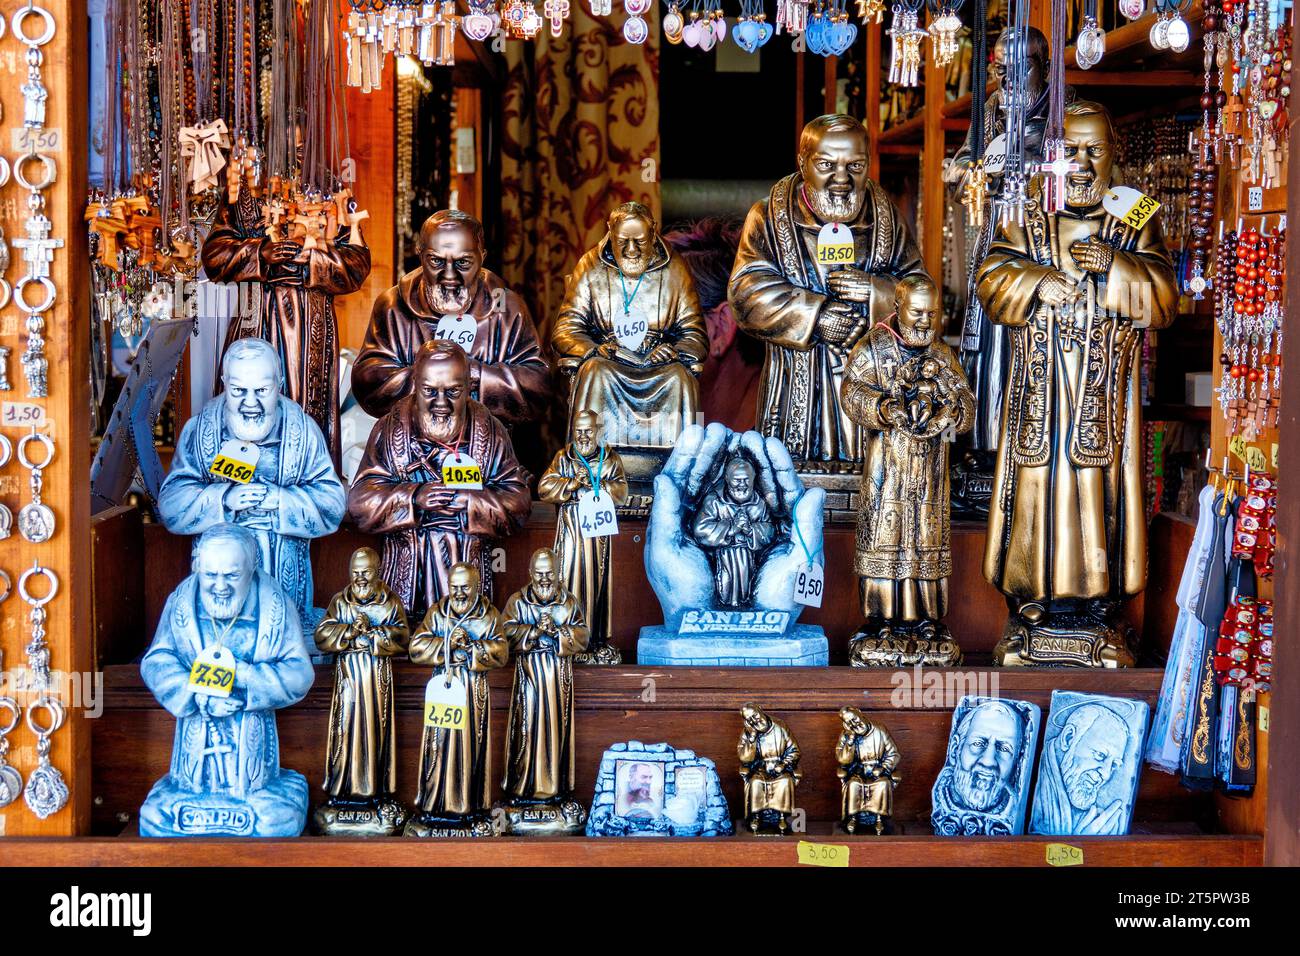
477 26
1132 9
844 33
691 33
764 32
707 37
1266 109
720 29
813 33
746 35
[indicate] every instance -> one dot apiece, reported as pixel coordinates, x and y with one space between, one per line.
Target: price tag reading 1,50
462 471
23 415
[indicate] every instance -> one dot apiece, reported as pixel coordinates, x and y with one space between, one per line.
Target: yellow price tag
1237 446
213 672
445 716
1273 456
1255 458
232 468
462 471
1062 854
835 244
1261 719
1130 205
823 854
446 702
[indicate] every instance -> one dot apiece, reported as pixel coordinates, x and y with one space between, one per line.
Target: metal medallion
46 793
36 522
1091 44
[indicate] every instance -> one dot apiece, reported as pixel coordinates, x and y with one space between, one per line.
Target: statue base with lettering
894 644
381 816
559 817
277 810
734 639
842 482
429 826
603 655
1063 639
655 790
972 485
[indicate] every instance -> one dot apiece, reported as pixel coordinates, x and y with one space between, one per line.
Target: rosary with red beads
1248 311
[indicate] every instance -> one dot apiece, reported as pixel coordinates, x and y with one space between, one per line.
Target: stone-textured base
558 818
277 810
1063 640
843 491
927 643
427 826
604 656
804 645
379 817
691 802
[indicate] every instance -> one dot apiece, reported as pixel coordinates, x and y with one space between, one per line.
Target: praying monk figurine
631 334
584 470
364 627
816 268
546 628
296 308
253 457
228 653
451 296
438 478
1067 527
867 757
769 766
462 637
735 526
907 390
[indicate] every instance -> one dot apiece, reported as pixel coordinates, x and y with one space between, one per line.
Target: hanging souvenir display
829 31
905 36
792 16
975 184
751 30
1055 167
870 11
635 28
1010 201
1090 45
945 25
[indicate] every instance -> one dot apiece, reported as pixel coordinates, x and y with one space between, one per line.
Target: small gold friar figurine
546 628
908 392
867 757
769 765
586 482
363 627
463 636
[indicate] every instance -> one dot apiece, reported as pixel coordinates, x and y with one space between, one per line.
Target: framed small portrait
639 789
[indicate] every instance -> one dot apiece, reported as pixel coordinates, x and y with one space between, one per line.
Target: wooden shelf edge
1139 850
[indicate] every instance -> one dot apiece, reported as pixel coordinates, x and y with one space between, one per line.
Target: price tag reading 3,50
237 461
213 672
808 582
461 329
446 705
835 245
462 471
1126 203
596 516
823 854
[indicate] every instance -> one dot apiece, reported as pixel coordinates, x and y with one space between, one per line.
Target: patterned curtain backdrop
581 136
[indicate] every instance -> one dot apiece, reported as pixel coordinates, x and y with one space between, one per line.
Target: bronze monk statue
1067 526
816 268
631 335
451 296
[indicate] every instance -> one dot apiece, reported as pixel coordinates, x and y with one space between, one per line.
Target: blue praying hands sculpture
734 554
228 653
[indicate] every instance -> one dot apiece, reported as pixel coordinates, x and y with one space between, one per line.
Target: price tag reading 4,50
596 516
808 581
1125 202
1062 854
236 461
213 672
446 705
462 471
461 329
835 244
23 414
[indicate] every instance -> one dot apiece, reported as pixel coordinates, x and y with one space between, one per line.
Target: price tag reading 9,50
23 415
808 582
462 471
835 244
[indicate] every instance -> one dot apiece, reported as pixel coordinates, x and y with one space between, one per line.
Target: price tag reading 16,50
462 471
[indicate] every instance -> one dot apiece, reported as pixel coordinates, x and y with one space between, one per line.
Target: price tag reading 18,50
462 471
446 705
808 582
236 461
461 329
1125 202
835 244
213 672
596 516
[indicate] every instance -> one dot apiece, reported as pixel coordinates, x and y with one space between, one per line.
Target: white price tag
995 155
461 329
446 704
808 582
1255 198
23 415
1130 205
213 672
462 471
596 516
835 245
236 461
630 330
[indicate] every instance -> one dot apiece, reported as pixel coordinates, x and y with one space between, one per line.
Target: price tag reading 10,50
236 461
835 244
462 471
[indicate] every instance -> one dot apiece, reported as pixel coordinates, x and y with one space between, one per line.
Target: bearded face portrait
990 746
225 569
364 574
1090 757
462 588
441 391
451 259
1090 144
835 174
252 397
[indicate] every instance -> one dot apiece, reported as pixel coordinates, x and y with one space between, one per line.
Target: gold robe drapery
456 765
540 755
1067 516
861 793
777 292
584 562
640 406
903 554
769 789
361 759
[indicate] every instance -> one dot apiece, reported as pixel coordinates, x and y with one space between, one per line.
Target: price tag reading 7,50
213 672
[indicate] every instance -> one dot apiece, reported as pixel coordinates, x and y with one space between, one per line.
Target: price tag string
794 523
628 299
596 475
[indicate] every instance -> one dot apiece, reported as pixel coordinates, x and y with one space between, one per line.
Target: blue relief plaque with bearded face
983 788
1090 764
